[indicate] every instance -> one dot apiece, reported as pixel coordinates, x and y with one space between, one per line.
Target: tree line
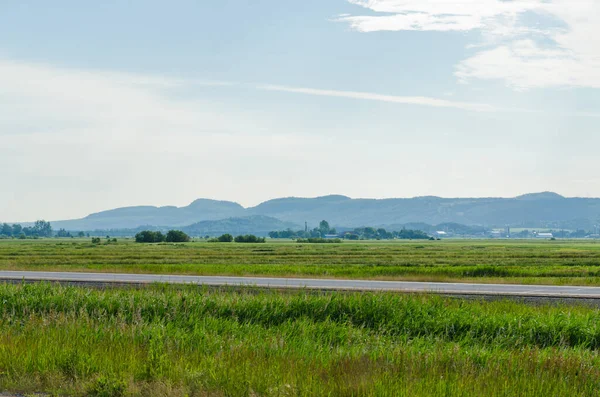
246 238
318 232
177 236
359 233
172 236
40 228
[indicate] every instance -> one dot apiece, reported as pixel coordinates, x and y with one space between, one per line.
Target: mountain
133 217
256 224
531 210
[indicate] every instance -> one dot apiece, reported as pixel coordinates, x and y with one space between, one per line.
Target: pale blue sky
112 103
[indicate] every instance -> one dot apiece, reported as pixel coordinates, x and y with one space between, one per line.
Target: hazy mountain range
531 210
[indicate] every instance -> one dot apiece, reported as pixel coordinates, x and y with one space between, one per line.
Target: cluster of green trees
172 236
318 240
62 233
370 233
228 238
224 238
318 232
249 238
39 229
360 233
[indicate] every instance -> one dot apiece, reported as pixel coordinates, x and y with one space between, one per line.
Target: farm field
188 341
482 261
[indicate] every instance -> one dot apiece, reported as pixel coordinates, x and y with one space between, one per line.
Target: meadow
567 262
188 341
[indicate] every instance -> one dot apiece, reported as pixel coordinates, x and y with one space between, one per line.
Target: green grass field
185 341
533 262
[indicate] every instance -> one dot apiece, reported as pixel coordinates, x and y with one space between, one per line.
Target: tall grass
166 340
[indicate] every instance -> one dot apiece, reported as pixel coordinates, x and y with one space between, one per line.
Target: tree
63 233
288 233
42 228
324 227
6 230
225 238
17 229
148 236
177 236
249 238
81 234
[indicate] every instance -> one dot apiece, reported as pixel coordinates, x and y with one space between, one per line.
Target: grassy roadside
166 340
530 262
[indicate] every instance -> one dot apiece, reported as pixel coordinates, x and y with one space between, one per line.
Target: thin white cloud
406 100
526 43
110 137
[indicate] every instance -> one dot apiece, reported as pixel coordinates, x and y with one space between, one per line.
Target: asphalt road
324 284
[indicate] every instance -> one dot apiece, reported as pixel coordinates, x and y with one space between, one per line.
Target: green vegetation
39 229
224 238
359 233
177 236
249 238
149 236
228 238
318 232
176 341
172 236
317 240
534 262
370 233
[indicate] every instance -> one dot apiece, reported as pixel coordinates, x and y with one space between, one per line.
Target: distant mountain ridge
529 210
133 217
255 224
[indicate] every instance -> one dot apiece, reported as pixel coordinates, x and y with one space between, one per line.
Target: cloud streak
404 100
525 43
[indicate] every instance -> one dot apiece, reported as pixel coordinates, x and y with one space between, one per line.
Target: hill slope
256 224
531 210
133 217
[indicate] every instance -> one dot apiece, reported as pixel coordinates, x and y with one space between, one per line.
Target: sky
109 103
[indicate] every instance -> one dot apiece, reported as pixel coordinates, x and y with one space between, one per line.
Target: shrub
95 240
107 387
225 238
250 238
148 236
177 236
